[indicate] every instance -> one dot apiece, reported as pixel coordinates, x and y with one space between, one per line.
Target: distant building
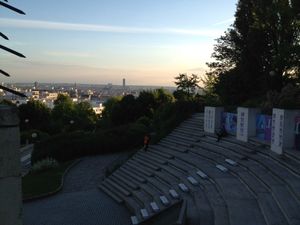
124 83
35 85
35 95
98 109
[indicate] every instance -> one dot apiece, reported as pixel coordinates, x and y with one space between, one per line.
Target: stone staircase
226 182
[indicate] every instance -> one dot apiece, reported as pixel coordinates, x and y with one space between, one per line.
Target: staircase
226 182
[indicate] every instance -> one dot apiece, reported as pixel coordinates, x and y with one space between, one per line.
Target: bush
45 164
68 146
26 136
288 98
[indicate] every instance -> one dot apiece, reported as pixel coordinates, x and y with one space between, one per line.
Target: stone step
110 193
205 211
166 178
187 131
134 207
289 205
192 180
147 159
128 171
258 188
146 164
173 146
164 200
179 143
156 151
185 139
136 166
130 179
193 129
121 184
293 154
134 220
148 188
217 203
271 211
154 157
145 214
231 162
117 186
180 165
183 187
222 168
143 197
275 169
125 179
197 135
202 174
175 172
193 125
155 207
174 194
190 139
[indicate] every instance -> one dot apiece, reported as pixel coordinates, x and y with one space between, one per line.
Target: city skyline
103 42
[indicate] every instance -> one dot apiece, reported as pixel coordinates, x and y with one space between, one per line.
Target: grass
42 183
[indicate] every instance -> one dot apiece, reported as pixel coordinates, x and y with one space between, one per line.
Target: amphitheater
189 178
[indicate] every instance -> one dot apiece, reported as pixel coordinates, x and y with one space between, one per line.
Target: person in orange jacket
146 141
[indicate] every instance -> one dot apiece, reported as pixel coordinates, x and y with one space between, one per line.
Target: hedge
68 146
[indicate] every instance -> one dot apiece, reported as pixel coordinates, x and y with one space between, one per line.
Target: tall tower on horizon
124 83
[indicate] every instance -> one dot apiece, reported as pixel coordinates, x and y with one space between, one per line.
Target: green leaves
186 85
264 38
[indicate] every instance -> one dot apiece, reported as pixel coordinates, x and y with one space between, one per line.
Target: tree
34 115
259 52
186 85
146 103
63 112
84 116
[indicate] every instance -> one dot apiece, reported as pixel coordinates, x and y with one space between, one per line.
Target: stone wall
10 169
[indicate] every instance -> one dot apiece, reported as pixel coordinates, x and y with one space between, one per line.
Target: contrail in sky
50 25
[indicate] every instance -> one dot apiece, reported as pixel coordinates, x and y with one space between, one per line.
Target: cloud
69 54
49 25
224 22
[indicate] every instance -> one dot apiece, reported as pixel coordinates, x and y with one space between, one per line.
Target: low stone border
56 190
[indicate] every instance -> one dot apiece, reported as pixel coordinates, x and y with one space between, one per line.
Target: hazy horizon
148 43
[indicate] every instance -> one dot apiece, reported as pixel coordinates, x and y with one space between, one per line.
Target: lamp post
34 136
26 128
71 124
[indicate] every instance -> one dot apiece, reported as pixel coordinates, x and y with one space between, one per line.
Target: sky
148 42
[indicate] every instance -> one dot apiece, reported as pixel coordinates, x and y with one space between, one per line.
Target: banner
263 127
229 120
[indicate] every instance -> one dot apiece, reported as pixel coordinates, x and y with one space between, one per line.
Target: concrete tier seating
222 183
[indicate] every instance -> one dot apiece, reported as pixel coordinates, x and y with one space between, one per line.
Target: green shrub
26 136
44 164
68 146
288 98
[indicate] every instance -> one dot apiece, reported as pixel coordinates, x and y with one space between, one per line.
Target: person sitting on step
221 133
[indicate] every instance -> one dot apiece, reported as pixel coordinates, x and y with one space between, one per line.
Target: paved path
80 202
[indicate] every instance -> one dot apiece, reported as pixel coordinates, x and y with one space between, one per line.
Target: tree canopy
258 53
186 85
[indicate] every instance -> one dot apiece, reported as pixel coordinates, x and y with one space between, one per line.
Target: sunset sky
102 41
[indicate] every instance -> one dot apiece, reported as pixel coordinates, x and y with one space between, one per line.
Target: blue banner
263 127
229 120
